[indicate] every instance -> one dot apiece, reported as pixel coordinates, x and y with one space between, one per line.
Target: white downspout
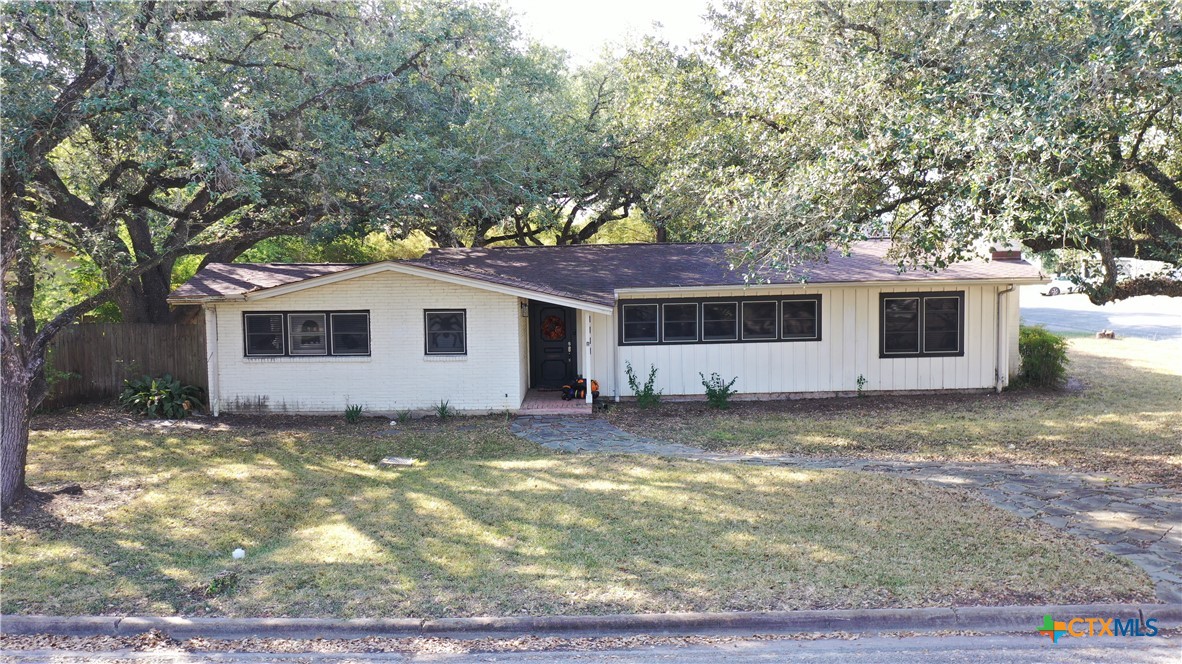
1001 357
615 356
211 358
587 360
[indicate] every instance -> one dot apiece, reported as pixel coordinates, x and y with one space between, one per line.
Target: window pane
264 334
681 322
640 322
941 325
720 321
759 320
445 332
350 334
900 324
798 319
307 333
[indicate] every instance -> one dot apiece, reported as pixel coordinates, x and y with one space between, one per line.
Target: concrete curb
977 618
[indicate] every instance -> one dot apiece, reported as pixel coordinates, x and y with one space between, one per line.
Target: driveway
1148 316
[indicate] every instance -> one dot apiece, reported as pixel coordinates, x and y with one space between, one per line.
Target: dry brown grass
1126 419
490 524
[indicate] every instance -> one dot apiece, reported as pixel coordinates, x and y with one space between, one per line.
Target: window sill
311 359
445 358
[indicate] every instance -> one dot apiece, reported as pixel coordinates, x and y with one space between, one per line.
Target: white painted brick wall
398 375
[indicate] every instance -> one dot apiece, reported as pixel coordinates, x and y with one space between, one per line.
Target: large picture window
720 320
922 324
306 333
447 332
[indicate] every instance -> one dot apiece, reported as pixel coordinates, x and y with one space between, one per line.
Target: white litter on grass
238 554
397 461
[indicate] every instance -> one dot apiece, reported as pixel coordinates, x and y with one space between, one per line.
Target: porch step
549 402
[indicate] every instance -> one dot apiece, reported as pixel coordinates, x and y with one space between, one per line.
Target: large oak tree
138 133
941 125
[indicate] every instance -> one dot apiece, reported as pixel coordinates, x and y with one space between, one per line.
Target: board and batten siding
849 348
397 375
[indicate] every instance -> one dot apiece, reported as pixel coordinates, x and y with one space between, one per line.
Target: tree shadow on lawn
329 534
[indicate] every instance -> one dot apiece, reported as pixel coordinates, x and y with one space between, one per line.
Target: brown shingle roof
230 279
593 273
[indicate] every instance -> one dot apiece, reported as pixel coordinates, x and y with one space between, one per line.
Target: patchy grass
1124 418
490 524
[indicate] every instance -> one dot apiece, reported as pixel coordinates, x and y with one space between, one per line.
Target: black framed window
922 324
941 325
305 333
680 321
800 318
759 320
447 332
639 323
350 334
720 321
264 334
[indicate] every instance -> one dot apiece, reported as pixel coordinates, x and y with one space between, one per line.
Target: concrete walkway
1141 523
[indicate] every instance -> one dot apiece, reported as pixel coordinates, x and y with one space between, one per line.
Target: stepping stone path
1139 522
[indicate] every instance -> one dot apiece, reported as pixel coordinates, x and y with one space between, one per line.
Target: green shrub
222 583
444 410
647 395
1044 357
353 413
718 393
164 397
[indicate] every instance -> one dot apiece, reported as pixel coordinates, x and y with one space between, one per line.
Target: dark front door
551 344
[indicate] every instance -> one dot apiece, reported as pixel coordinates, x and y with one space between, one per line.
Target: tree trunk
14 427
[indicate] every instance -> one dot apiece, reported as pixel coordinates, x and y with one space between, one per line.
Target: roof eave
1017 281
402 268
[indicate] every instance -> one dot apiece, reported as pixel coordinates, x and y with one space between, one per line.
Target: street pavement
1148 317
1012 649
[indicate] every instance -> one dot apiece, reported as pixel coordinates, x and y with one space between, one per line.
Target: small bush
861 385
444 410
1044 357
164 397
403 417
222 583
353 413
647 395
718 393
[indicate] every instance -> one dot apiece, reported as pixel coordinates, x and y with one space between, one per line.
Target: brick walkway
1141 522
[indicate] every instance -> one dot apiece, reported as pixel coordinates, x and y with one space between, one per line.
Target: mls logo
1053 628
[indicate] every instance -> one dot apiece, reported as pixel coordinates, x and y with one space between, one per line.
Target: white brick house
480 328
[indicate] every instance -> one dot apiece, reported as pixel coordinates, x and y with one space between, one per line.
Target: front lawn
1122 415
490 524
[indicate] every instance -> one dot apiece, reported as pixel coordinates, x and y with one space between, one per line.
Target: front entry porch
541 401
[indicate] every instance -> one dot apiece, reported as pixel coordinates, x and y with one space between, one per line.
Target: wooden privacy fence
100 356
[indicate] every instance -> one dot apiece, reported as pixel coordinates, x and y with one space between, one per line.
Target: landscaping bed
489 524
1121 414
